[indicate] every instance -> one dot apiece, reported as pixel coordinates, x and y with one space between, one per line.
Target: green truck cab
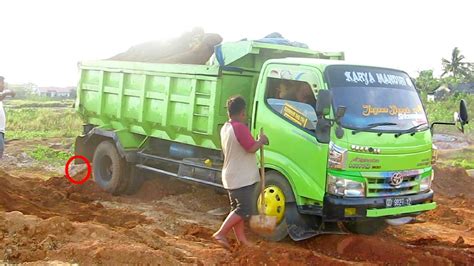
348 143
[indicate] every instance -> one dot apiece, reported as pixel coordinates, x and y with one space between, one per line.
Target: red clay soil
54 220
58 197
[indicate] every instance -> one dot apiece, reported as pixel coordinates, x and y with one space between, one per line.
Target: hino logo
396 179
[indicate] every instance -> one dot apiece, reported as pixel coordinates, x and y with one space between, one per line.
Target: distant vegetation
28 123
40 102
455 71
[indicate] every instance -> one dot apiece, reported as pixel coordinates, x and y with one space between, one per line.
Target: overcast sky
42 41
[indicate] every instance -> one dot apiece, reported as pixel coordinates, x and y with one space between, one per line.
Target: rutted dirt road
46 219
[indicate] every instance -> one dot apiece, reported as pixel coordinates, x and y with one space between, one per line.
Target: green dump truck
359 153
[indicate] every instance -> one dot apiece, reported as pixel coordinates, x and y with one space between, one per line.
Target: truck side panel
173 106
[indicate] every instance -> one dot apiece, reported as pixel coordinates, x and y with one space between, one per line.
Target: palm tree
455 66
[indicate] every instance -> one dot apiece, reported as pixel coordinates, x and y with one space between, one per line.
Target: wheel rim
106 168
274 202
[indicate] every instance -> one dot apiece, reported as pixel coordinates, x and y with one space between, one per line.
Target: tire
135 181
366 227
109 168
273 178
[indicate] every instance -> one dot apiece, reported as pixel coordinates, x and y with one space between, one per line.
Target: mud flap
80 148
301 227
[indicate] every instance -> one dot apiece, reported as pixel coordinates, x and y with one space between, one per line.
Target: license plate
397 202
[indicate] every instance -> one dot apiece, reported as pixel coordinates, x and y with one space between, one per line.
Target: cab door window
294 100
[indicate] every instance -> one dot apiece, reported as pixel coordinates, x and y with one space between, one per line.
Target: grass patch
46 154
462 163
463 158
29 123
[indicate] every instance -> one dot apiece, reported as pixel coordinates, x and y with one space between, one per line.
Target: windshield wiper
373 125
411 130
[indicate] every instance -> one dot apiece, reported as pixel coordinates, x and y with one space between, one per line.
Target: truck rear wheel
367 227
109 168
277 192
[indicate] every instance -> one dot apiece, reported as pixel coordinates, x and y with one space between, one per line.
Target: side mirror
463 116
323 105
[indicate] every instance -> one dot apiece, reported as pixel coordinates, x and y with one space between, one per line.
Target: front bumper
335 207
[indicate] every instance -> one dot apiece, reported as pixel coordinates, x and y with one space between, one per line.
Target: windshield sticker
285 74
375 78
394 110
410 116
294 115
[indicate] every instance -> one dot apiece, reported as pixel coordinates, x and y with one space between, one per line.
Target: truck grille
378 184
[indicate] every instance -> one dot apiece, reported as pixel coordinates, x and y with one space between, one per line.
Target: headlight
345 187
434 154
425 183
337 156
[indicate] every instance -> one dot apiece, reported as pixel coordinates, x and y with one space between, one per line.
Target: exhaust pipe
399 221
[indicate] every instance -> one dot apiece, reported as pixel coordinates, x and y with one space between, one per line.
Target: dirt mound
372 249
453 182
55 197
29 238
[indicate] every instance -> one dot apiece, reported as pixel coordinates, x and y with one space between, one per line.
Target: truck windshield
375 96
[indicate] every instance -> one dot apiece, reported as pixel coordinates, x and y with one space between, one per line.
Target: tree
426 82
456 67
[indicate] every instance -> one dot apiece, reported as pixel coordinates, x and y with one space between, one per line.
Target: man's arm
258 144
246 140
6 93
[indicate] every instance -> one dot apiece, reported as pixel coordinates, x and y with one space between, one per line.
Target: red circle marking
88 164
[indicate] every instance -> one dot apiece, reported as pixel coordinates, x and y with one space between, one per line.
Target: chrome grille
378 184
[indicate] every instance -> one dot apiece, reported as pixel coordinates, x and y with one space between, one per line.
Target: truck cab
362 155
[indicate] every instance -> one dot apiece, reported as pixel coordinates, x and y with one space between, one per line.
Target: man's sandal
222 241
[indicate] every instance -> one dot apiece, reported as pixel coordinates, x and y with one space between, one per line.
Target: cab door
285 109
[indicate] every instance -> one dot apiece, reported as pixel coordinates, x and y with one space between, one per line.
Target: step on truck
349 144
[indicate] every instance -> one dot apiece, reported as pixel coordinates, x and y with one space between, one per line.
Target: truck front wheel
367 227
109 168
277 192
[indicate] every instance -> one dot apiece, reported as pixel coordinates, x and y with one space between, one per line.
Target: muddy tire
368 227
109 168
273 178
135 181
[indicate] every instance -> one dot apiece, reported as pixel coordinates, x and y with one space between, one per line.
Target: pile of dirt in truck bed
195 47
167 223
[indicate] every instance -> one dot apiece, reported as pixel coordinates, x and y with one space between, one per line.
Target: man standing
240 171
3 93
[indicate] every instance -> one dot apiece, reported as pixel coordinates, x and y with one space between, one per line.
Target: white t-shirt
240 167
2 118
